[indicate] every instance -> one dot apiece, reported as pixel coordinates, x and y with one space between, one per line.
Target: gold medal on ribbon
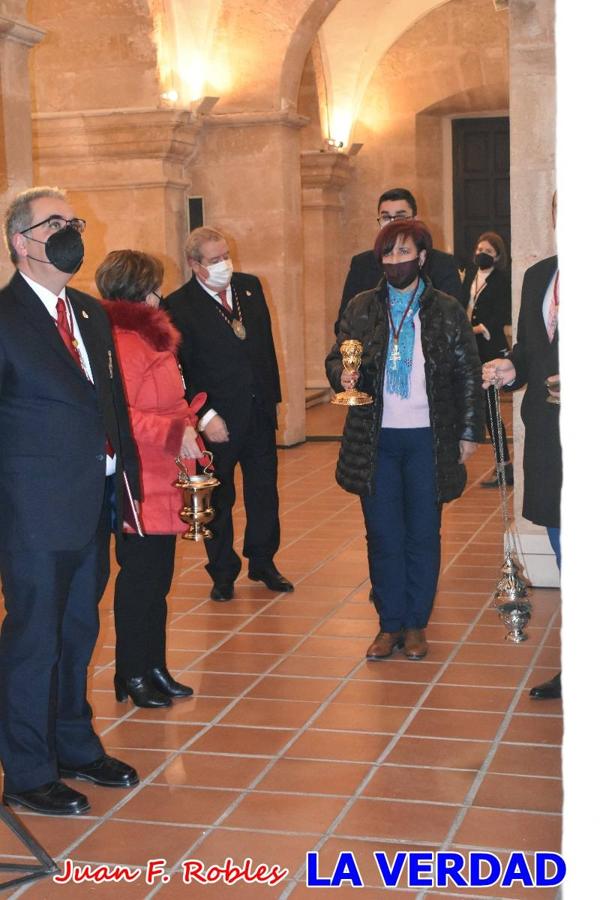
238 329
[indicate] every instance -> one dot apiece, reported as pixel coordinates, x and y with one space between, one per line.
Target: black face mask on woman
64 250
400 275
484 260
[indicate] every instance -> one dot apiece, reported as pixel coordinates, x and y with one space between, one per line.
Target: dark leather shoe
509 476
384 644
273 579
415 644
106 771
222 592
52 799
142 691
549 690
166 684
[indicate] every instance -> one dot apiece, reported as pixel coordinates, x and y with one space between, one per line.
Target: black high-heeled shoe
162 679
141 690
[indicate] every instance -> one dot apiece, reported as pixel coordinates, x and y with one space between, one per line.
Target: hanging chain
498 445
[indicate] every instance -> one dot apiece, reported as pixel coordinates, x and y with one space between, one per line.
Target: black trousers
141 589
495 426
46 643
252 444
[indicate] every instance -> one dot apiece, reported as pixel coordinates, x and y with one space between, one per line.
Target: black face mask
484 260
400 275
64 250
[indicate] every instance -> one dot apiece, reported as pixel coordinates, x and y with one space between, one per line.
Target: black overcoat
452 378
231 371
54 423
493 309
535 358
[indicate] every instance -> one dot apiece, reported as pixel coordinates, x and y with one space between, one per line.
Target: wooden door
481 181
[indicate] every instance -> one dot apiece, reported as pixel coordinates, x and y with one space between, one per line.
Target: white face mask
219 275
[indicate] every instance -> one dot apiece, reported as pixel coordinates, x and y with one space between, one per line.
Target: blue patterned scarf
397 372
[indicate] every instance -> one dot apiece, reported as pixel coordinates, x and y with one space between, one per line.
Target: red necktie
66 332
224 302
63 324
553 311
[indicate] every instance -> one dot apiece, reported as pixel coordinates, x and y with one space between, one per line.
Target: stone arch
299 48
433 71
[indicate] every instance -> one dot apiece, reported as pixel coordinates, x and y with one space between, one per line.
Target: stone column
126 174
532 164
248 172
16 169
324 174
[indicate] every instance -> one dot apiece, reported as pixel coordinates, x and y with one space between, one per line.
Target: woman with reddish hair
163 427
405 453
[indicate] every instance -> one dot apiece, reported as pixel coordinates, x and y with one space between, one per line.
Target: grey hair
196 240
18 215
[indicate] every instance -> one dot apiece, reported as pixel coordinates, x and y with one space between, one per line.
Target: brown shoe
415 644
385 644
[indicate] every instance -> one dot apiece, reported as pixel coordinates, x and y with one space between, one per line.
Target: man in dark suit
227 350
533 361
64 431
365 272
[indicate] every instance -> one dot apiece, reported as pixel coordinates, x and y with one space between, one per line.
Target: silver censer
511 591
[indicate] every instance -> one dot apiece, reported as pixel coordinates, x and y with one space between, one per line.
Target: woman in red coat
163 426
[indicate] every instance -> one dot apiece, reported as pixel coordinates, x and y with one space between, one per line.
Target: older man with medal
227 347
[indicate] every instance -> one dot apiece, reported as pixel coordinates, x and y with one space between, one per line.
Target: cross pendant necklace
395 354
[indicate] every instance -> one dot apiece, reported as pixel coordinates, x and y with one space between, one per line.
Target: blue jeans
403 518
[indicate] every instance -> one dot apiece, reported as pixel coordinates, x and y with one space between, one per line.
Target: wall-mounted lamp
332 144
206 105
354 149
169 96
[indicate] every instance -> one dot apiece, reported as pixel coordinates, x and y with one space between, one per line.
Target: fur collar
153 325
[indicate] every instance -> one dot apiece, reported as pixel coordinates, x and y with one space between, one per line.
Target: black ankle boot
141 690
166 684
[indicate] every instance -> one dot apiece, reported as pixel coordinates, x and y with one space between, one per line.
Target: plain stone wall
16 166
248 171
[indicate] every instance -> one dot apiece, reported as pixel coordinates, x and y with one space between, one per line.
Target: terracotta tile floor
293 742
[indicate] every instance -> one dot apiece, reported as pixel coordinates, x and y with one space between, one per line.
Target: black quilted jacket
452 376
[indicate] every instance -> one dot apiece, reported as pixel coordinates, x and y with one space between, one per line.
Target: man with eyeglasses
65 446
365 271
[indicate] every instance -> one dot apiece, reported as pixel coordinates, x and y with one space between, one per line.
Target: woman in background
486 295
163 427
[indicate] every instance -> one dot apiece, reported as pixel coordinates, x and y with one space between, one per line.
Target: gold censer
197 491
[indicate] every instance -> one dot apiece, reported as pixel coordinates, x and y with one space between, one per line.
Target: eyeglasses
59 223
160 296
385 218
